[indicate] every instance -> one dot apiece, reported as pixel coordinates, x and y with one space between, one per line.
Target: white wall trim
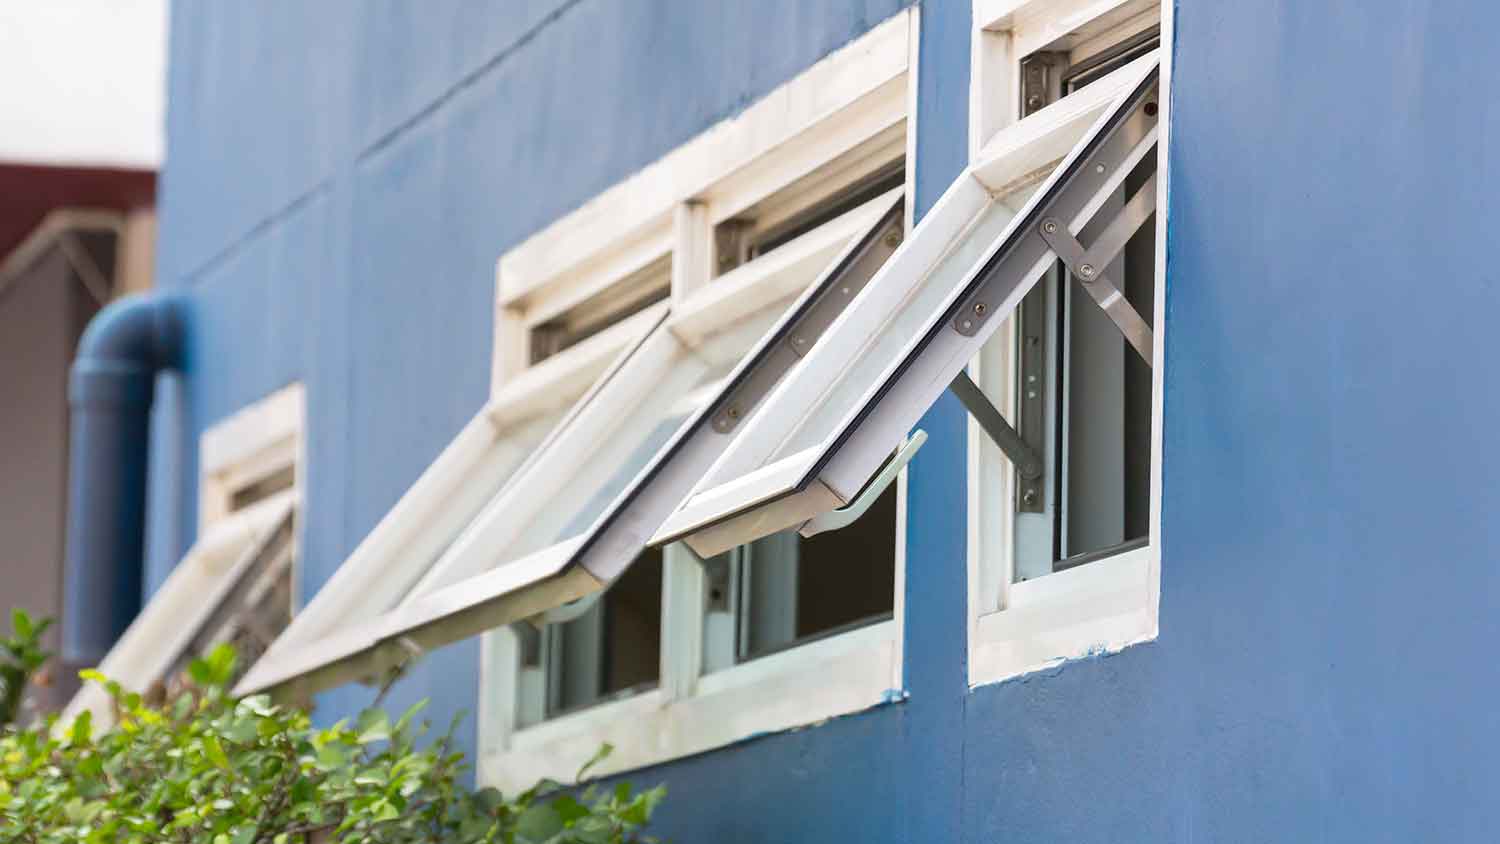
840 675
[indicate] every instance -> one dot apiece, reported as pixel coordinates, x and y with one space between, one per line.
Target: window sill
802 686
1102 607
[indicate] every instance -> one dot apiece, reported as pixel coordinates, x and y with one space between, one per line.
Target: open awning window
580 508
232 587
816 446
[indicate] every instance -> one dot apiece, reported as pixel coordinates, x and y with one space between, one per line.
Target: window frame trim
1111 603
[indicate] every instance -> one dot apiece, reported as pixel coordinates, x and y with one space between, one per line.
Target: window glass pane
1105 468
1096 392
641 430
784 590
484 481
610 651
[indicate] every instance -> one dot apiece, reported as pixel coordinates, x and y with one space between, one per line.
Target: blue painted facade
342 176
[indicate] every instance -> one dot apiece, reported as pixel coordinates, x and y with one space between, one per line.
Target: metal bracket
1035 326
1027 460
843 283
1088 264
849 513
1041 74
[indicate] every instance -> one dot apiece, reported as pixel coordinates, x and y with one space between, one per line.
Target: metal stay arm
1088 264
1022 455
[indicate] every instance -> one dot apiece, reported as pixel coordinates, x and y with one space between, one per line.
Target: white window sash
193 594
751 491
452 491
464 592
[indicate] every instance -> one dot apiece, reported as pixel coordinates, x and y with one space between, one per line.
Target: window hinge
1041 79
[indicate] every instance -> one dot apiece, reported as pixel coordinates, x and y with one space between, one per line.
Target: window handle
846 515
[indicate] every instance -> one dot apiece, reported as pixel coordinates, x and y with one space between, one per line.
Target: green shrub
21 656
208 768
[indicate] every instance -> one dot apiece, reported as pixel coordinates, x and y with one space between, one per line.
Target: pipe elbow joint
141 329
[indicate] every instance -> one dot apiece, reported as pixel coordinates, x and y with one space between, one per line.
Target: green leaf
538 823
406 717
594 830
258 705
215 752
384 810
373 725
604 751
81 729
242 730
638 812
569 809
332 756
303 790
200 672
489 800
20 620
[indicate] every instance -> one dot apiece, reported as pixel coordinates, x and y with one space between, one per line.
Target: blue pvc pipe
110 391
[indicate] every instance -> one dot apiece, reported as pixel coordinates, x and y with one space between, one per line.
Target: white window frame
258 441
852 99
1110 603
788 467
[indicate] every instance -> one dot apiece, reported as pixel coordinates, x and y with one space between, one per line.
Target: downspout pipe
110 390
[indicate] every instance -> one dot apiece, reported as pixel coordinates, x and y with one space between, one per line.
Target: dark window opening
614 648
262 488
770 224
626 298
783 590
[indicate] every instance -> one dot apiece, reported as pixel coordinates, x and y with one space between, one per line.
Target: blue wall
342 176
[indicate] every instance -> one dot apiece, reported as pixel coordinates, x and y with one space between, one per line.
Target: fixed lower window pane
783 590
610 651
